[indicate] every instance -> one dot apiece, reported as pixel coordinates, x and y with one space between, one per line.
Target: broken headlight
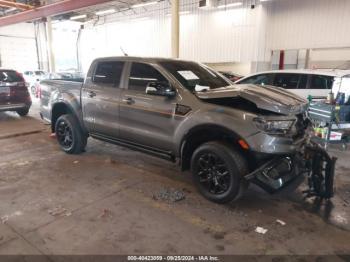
274 126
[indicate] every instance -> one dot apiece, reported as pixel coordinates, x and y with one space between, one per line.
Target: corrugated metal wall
238 35
219 35
214 35
297 24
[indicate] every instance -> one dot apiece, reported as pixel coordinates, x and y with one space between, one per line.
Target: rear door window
321 82
109 73
142 74
262 79
287 81
9 76
303 81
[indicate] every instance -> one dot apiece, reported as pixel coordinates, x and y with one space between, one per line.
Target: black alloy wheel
218 170
213 173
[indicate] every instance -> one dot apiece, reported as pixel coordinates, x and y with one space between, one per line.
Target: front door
101 97
146 120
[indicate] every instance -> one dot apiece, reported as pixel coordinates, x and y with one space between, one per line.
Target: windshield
193 76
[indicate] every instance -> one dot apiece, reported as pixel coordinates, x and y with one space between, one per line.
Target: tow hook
320 172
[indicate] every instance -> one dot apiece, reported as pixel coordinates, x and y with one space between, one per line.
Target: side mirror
160 89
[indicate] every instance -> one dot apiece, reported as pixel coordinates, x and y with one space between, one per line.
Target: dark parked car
231 76
226 135
14 95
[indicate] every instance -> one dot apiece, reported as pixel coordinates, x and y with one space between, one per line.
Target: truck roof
139 59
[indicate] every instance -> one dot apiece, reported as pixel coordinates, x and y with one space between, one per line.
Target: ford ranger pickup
227 135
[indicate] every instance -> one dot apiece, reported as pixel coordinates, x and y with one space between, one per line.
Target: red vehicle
14 95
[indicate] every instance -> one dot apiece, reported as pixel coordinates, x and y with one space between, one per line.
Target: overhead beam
48 10
6 3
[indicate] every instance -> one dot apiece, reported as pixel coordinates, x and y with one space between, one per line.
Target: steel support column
51 56
175 29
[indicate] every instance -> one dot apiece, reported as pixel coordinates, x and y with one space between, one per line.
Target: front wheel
217 171
69 134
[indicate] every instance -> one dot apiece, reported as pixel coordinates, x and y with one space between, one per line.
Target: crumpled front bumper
310 160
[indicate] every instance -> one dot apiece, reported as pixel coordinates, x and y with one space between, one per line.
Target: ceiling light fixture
105 12
144 4
77 17
231 5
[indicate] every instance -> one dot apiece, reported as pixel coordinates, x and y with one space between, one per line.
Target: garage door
18 53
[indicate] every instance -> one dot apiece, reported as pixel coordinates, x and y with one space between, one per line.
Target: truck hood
268 98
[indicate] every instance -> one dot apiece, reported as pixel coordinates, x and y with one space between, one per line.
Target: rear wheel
23 111
217 171
69 135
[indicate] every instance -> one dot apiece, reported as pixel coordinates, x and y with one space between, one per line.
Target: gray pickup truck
227 135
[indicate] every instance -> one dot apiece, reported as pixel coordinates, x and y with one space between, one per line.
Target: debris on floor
109 160
170 195
4 219
106 213
76 162
280 222
59 212
261 230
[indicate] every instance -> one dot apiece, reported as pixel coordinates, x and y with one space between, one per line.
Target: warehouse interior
126 204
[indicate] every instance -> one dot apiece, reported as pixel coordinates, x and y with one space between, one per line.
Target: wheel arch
59 109
206 133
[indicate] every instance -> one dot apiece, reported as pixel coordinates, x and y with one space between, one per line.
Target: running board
144 149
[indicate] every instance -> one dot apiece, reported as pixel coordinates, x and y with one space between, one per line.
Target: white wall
303 24
210 36
17 47
237 36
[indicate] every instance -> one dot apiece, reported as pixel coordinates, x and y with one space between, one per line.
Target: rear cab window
108 73
10 76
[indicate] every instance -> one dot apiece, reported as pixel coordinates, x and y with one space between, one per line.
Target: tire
69 135
23 111
220 182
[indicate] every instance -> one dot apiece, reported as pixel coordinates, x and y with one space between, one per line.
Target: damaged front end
311 161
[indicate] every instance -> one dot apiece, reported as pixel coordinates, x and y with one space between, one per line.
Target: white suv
317 83
32 77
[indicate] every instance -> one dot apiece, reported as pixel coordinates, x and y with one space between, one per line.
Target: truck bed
67 90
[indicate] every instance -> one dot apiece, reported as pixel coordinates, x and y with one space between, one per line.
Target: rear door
101 97
146 120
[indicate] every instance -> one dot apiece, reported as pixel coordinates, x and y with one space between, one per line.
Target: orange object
243 144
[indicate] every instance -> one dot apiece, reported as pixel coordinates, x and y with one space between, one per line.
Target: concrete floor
102 202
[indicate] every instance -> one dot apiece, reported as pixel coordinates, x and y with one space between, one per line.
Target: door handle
128 100
91 94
